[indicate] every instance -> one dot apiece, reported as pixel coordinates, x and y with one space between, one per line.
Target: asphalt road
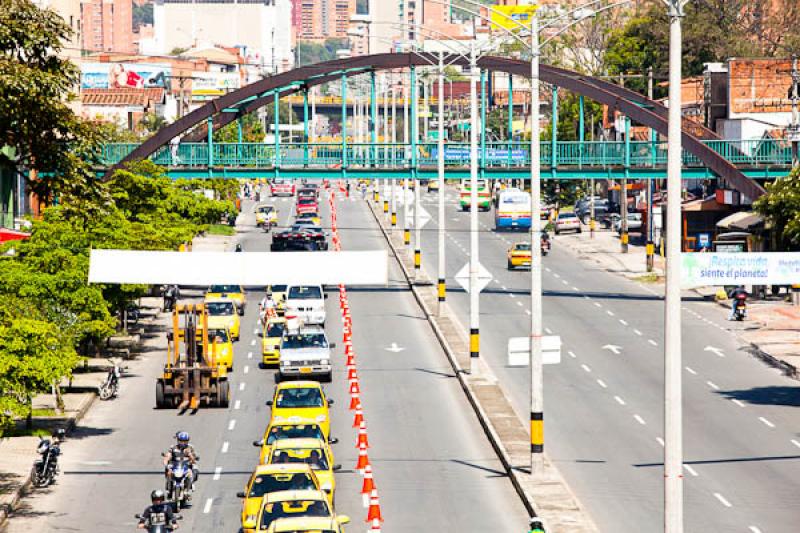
604 410
433 466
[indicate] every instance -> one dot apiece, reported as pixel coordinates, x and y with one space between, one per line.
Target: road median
549 497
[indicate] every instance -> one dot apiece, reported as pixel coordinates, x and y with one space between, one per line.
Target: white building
261 27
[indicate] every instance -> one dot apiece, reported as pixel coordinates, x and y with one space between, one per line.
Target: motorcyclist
159 513
181 450
266 307
739 294
171 295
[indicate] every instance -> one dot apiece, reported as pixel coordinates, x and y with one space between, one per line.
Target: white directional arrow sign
714 350
424 217
613 348
484 277
394 348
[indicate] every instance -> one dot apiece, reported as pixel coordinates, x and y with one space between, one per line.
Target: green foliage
252 129
142 14
178 50
310 52
568 127
781 207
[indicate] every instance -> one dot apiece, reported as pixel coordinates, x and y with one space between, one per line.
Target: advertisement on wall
716 269
124 75
214 83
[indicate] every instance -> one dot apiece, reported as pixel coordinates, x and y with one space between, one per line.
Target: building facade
107 26
318 20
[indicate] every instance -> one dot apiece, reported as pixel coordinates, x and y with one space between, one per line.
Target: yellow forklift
191 375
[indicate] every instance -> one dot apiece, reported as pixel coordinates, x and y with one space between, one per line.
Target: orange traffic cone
363 461
374 513
348 344
362 435
355 401
352 373
376 527
367 486
351 361
359 417
354 388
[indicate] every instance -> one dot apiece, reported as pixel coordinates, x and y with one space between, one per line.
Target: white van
306 302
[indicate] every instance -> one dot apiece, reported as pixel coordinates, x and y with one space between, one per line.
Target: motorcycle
110 387
740 309
158 527
545 245
45 469
179 484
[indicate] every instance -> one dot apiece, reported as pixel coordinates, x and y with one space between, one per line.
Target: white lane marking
511 294
722 499
241 385
754 529
691 371
503 287
217 473
207 506
651 341
795 442
249 355
253 342
255 332
237 404
637 331
519 303
691 470
246 369
576 289
598 304
712 385
572 354
565 282
623 322
660 441
619 400
225 446
639 419
602 383
586 368
587 296
231 424
610 313
767 422
555 275
528 311
737 402
547 269
548 331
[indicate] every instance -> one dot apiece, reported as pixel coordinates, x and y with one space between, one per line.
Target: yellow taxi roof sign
511 17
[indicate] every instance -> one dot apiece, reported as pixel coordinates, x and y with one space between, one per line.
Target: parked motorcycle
179 484
110 387
45 469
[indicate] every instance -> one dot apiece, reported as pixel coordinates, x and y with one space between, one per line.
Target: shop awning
741 220
7 234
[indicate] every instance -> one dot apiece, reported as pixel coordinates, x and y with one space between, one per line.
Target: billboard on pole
511 17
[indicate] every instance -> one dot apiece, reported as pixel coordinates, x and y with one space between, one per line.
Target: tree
35 119
142 14
252 130
781 207
310 52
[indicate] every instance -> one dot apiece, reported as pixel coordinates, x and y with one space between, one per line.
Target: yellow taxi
309 524
223 314
433 185
519 255
295 504
271 340
315 453
278 296
266 215
310 216
304 429
223 346
295 401
273 478
231 292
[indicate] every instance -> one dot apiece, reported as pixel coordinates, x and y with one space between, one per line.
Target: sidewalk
604 249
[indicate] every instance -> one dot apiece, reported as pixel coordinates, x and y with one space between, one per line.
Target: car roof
300 523
290 444
303 384
282 468
289 495
276 319
311 329
298 422
219 299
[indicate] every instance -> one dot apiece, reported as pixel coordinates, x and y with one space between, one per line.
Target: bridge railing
516 154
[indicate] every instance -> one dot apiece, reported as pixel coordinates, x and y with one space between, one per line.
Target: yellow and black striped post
385 206
474 342
417 259
537 432
394 219
442 289
406 236
650 248
623 239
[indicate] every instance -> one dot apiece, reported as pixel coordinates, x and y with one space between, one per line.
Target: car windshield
265 209
304 340
306 216
224 288
266 483
299 397
278 288
305 227
566 215
301 292
220 334
276 329
314 457
294 508
298 431
306 200
516 199
219 308
523 247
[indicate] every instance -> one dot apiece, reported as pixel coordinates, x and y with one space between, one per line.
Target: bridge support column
210 142
510 118
554 140
305 127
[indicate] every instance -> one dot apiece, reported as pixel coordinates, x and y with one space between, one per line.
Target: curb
18 493
483 418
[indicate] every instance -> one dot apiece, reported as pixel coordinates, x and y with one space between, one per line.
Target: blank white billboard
242 268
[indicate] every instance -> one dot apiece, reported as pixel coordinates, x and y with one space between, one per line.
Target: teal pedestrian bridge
186 148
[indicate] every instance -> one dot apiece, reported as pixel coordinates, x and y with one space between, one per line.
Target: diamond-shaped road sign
424 217
484 277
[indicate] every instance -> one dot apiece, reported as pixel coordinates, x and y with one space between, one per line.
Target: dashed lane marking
795 442
660 441
691 470
246 369
548 331
639 419
511 295
712 385
576 289
253 342
555 275
241 385
519 303
623 322
572 354
619 400
691 371
255 332
754 529
237 404
610 313
651 341
586 368
249 355
231 424
598 304
722 499
767 422
737 402
637 331
207 506
225 446
217 473
602 383
528 311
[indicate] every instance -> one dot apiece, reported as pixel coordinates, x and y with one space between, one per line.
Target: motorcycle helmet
158 496
183 437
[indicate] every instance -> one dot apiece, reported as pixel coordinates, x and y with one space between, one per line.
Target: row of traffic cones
369 492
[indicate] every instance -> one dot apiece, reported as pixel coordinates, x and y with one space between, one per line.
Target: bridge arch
640 109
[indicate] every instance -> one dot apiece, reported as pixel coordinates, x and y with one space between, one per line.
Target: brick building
108 26
317 20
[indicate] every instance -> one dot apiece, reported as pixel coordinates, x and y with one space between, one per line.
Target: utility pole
474 300
623 190
794 128
406 217
417 200
394 153
440 164
673 396
650 248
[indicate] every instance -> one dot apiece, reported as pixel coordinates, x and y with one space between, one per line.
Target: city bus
513 210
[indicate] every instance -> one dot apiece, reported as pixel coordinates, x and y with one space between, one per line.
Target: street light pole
406 217
673 412
536 363
394 154
474 312
442 291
